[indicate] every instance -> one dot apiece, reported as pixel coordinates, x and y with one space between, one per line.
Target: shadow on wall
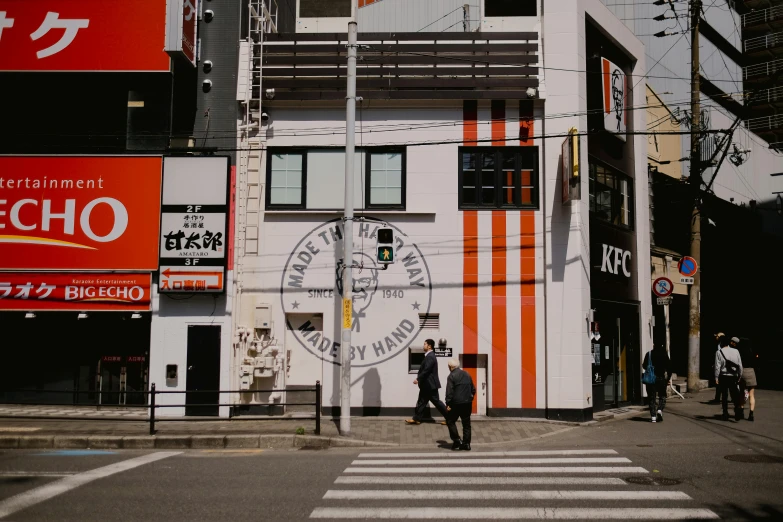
371 392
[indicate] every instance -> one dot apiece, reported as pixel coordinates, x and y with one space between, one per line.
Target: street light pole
347 275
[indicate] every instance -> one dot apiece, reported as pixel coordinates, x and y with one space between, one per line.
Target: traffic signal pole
694 315
347 275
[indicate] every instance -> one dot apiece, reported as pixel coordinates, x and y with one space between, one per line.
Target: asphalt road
682 465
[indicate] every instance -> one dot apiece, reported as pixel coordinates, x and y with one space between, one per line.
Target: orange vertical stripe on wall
528 315
470 257
499 311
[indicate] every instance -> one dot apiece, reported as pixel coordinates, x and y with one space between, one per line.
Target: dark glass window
324 8
510 8
498 177
611 196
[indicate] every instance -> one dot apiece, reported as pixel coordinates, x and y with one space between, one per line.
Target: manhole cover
755 459
652 481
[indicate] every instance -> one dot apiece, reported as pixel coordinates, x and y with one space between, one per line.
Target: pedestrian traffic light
385 246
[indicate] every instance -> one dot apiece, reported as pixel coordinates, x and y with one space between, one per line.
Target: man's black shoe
465 447
457 445
725 416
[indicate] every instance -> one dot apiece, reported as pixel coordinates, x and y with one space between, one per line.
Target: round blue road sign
687 266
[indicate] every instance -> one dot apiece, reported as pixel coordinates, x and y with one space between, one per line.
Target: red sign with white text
30 291
83 35
79 213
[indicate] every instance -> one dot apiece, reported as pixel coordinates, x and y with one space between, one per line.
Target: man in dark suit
429 383
459 403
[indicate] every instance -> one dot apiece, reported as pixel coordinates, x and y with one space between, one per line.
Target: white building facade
467 168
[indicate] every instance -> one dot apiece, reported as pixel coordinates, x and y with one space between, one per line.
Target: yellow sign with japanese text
347 314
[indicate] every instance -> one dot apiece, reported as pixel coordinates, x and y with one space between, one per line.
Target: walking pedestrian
728 370
459 403
720 337
748 382
429 384
657 362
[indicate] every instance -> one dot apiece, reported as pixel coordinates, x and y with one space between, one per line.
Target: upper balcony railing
765 69
764 122
764 42
762 16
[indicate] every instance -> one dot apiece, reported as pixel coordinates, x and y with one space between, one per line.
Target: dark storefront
613 254
101 358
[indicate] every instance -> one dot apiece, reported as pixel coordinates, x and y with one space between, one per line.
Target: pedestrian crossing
575 484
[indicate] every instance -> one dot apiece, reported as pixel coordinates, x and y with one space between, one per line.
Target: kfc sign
614 98
181 23
31 291
82 35
79 213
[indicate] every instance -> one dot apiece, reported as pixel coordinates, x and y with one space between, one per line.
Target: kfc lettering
79 213
30 291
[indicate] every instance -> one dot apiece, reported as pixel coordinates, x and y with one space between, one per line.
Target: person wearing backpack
728 371
657 372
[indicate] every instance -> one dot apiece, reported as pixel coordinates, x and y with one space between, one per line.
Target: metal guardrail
152 404
764 42
764 122
762 16
762 69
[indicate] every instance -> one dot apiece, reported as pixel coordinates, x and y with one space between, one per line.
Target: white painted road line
558 481
410 470
35 496
486 494
37 473
552 460
515 513
488 454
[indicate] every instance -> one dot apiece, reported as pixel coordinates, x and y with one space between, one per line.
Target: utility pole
694 316
347 275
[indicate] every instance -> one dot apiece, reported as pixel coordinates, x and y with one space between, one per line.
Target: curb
182 442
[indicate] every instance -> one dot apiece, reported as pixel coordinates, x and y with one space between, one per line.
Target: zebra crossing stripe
489 454
565 481
515 513
551 460
457 494
499 469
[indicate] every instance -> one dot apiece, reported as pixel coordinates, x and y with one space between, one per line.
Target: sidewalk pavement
81 428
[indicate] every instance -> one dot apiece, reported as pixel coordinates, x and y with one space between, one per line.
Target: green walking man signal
385 246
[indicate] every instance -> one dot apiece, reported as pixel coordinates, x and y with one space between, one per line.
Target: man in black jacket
459 403
429 383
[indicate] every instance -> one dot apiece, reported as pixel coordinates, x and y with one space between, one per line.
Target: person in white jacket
728 370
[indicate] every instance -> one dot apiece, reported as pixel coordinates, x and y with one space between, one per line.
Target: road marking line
499 469
584 481
515 513
37 473
457 494
553 460
35 496
489 454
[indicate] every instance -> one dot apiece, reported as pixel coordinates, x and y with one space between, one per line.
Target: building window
286 181
386 177
506 8
611 196
498 177
322 9
314 179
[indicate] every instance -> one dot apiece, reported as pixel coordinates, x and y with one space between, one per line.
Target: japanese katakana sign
30 291
83 35
181 28
194 226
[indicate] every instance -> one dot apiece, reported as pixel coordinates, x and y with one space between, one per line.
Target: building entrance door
203 374
616 380
112 380
476 366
